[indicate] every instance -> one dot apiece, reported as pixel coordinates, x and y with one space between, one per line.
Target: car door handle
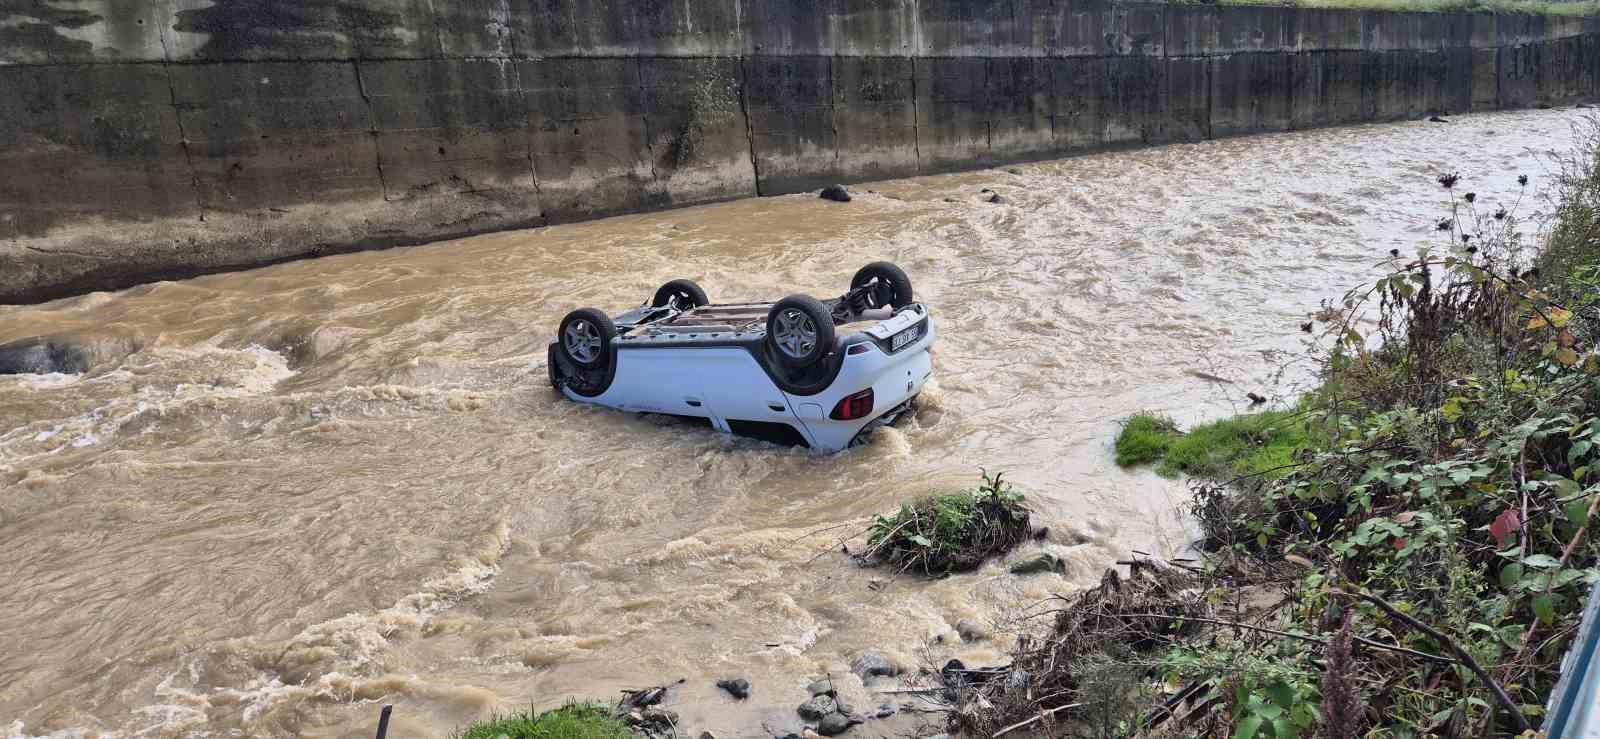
693 402
777 407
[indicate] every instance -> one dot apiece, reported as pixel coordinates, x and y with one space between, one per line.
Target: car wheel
894 287
585 338
800 330
683 293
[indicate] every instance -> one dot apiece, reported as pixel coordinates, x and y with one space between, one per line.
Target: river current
280 498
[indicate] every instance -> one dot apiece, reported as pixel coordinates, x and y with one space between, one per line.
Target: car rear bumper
895 379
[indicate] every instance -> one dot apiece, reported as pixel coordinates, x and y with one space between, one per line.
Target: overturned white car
801 371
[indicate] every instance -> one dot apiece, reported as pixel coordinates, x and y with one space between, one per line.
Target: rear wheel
893 287
585 336
683 294
800 331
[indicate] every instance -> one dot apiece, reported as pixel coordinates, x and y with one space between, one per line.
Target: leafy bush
954 531
1144 439
1450 477
573 721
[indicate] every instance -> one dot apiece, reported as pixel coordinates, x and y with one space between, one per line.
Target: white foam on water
352 642
18 731
49 380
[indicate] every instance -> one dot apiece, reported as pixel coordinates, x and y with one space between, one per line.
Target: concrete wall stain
232 133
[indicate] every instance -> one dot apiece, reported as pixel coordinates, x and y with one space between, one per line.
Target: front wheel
586 335
800 331
891 285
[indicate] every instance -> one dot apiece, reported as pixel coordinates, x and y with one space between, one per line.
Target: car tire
896 286
688 294
585 338
800 331
552 367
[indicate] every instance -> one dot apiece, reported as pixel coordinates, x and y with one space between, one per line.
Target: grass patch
572 721
952 532
1254 443
1145 438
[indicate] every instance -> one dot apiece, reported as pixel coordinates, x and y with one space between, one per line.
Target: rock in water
1042 563
835 724
817 707
738 688
41 355
1436 119
996 199
836 193
821 687
971 630
873 663
885 710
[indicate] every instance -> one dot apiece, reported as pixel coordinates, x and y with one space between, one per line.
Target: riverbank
1418 562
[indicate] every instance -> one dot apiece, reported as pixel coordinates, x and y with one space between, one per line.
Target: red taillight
858 349
852 407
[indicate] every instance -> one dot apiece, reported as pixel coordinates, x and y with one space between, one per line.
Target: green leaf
920 540
1248 727
1269 711
1544 607
1544 561
1282 730
1281 694
1451 410
1577 512
1510 575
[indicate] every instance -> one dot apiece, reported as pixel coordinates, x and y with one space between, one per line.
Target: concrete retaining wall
159 138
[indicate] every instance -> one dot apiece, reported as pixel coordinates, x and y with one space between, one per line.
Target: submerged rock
1436 119
835 724
738 688
836 193
1041 563
885 710
41 355
821 687
873 663
817 707
996 199
971 630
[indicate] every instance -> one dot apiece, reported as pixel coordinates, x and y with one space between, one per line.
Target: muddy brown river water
283 497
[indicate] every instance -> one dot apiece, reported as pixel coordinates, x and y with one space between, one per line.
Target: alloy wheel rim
796 334
582 341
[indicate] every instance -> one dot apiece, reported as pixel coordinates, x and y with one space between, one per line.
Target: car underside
818 373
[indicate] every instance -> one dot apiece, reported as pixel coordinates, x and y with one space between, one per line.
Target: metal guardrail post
1573 711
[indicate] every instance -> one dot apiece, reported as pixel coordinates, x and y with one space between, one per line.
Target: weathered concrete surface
147 139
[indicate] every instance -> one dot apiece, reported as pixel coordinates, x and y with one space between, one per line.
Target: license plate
900 340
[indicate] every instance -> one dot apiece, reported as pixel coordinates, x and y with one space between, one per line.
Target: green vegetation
1144 439
573 721
1530 7
1414 560
1252 444
952 532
